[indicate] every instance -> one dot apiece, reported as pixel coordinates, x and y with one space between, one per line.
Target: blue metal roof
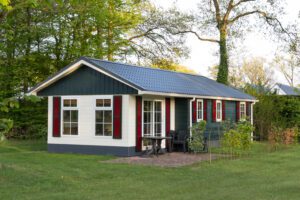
288 90
157 80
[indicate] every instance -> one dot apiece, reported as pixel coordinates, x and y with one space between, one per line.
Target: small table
156 143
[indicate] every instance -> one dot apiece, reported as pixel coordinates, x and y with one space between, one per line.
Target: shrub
279 136
273 109
197 140
237 138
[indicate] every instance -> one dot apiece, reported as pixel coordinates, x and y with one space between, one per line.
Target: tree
256 73
219 21
38 38
234 77
171 65
288 66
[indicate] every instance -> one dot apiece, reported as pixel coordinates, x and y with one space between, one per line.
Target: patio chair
170 142
180 138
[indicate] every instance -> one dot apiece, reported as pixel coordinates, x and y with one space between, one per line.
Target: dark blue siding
86 81
214 129
181 114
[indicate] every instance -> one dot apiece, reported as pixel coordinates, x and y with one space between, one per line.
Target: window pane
107 103
67 102
107 116
147 106
157 117
99 102
67 116
99 116
67 129
73 103
157 106
147 129
157 129
74 128
107 129
74 116
99 129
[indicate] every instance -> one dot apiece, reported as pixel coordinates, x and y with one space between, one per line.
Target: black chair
170 141
180 138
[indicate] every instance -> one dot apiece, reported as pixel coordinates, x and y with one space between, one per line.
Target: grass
27 171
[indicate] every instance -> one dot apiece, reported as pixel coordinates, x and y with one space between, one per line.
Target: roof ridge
158 69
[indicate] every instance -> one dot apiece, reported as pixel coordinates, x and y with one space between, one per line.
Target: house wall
86 141
214 129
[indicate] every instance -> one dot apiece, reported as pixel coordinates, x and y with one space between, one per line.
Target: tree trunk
223 66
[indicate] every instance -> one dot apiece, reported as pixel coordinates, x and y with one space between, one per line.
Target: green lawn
27 171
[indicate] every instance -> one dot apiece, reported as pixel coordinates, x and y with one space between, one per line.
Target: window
199 110
219 111
70 117
103 117
243 111
152 124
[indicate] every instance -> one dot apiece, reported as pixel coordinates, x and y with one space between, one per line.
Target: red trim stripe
194 111
205 109
223 110
138 147
214 110
117 123
56 117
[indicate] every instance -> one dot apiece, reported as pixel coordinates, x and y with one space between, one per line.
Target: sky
255 44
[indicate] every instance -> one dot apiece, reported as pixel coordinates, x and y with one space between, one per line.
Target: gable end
86 81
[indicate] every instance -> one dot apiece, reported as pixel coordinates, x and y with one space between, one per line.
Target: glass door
152 119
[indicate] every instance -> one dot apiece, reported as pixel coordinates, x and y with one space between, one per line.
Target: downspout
191 114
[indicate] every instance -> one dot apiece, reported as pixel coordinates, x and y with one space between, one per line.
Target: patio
175 159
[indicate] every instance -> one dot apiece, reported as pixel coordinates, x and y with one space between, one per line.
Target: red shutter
194 111
214 110
56 117
205 109
248 109
117 122
168 119
237 111
138 146
223 110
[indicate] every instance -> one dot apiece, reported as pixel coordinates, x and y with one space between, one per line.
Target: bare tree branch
269 19
218 12
198 36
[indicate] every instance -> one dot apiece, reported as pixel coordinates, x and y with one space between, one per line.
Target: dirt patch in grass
174 159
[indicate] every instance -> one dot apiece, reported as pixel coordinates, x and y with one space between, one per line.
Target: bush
272 110
29 119
237 138
197 140
279 136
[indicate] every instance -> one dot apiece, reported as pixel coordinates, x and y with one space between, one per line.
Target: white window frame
62 115
162 116
243 118
197 110
104 108
219 102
